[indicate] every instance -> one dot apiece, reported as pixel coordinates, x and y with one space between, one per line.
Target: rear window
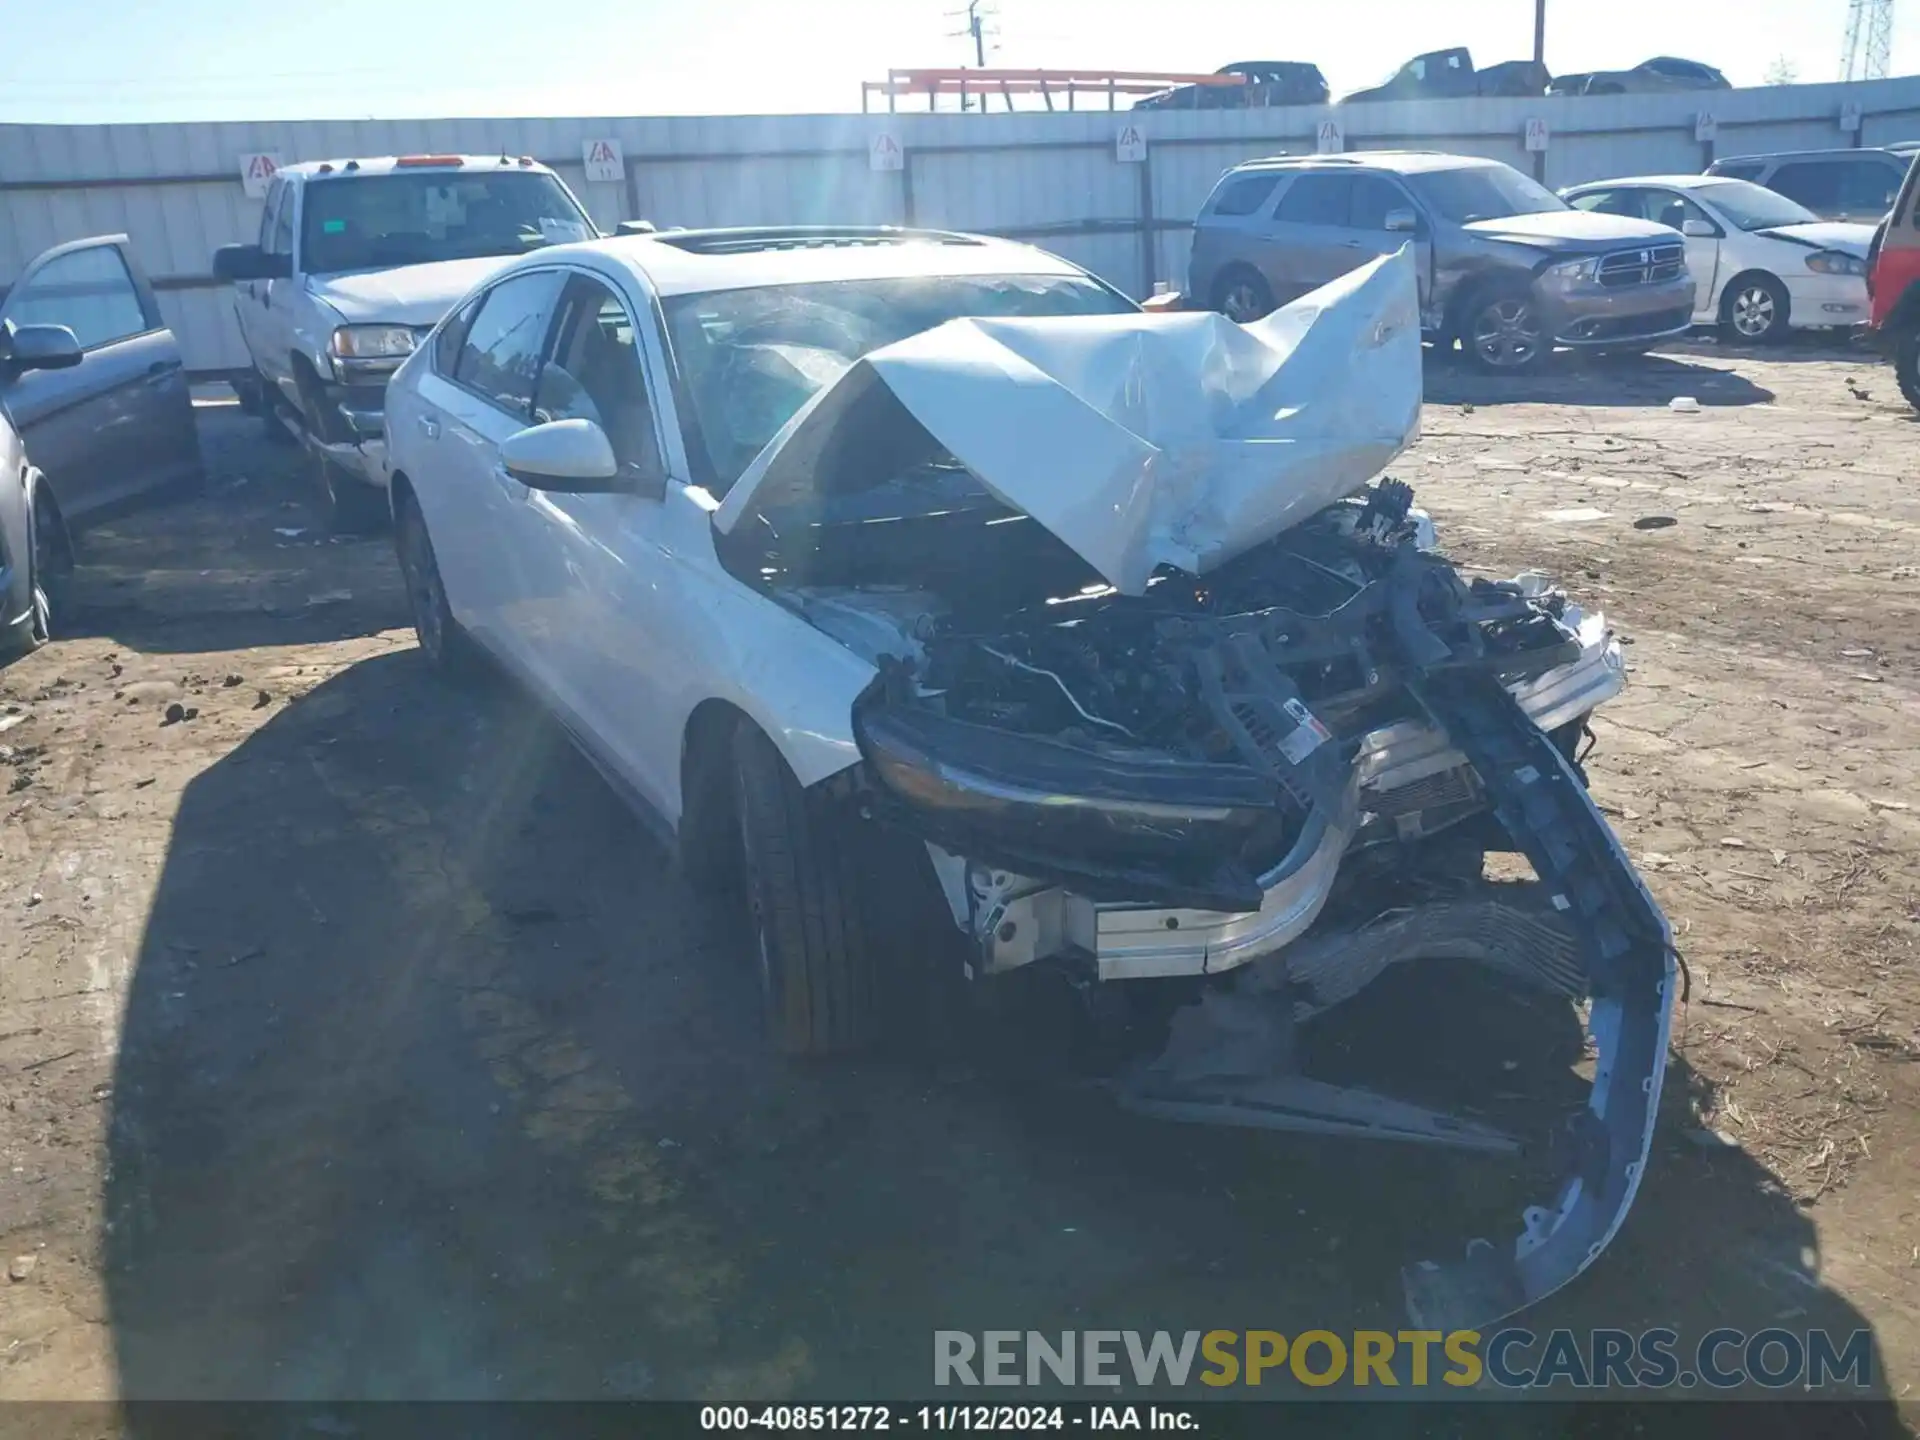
1244 196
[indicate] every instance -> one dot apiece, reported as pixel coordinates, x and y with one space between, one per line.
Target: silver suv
1857 184
1505 266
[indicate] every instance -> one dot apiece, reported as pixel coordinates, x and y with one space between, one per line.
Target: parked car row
1436 75
1509 270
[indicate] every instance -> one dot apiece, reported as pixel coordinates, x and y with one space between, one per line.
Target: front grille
1647 266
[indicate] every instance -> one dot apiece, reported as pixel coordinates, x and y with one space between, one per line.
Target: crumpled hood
1138 440
405 294
1582 229
1847 237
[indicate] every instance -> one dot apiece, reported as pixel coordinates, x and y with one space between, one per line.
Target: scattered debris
291 532
1733 842
7 722
1574 516
1712 1139
176 712
22 1267
1684 405
1654 522
262 699
236 678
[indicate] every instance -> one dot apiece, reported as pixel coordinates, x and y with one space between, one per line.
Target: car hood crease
1138 440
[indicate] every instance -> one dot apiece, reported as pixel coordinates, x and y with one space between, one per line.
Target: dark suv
1505 266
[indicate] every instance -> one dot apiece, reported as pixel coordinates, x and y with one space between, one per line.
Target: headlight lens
1835 262
372 342
1573 272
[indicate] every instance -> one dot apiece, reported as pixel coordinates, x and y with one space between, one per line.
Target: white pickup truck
356 261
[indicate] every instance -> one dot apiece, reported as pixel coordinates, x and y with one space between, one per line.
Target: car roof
1834 153
1401 161
1672 182
387 164
684 262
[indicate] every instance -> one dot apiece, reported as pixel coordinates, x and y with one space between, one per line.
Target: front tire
49 567
1753 311
1504 331
813 912
1906 366
353 506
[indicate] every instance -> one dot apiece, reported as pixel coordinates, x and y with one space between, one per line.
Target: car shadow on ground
1569 379
247 561
435 1081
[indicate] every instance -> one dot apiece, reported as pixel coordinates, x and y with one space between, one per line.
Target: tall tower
1869 53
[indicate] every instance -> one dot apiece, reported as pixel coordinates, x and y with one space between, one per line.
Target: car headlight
1835 262
372 342
1569 273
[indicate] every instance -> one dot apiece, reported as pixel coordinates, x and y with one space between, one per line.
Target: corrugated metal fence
1056 179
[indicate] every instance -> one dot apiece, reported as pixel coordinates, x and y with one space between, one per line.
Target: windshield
1482 192
750 358
364 222
1753 207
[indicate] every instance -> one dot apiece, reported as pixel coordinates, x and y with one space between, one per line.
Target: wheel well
1469 293
1232 271
46 503
709 819
1906 310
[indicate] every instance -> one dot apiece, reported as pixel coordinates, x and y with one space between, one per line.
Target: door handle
429 426
161 371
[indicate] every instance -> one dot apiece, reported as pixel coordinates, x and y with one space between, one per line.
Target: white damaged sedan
976 622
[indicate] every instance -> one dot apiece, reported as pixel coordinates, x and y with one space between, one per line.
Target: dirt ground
355 1043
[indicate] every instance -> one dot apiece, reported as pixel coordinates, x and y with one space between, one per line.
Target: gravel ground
355 1043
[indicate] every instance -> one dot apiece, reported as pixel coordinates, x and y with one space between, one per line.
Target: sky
81 61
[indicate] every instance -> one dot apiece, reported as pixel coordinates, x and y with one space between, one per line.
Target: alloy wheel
1507 334
1753 311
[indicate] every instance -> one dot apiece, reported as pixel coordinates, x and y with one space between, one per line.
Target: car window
411 217
1244 196
1867 187
500 354
1483 192
452 335
1814 185
1315 200
750 358
89 291
595 372
1753 207
1370 199
280 242
1667 207
1609 202
276 197
1740 169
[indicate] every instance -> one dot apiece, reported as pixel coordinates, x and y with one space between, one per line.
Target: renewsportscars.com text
1511 1358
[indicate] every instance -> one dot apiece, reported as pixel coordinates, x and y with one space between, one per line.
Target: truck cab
355 262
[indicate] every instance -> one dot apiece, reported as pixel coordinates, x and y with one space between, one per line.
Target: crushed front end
1277 780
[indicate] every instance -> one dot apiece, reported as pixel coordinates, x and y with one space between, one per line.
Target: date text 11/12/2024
946 1418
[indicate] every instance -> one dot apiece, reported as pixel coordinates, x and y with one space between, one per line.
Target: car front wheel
1754 310
1505 331
1243 295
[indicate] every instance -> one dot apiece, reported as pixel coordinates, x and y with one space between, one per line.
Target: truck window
367 222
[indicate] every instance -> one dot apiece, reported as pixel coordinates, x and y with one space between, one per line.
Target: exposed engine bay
1182 697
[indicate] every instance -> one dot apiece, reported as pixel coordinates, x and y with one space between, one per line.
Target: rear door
1672 209
1311 242
1232 229
121 421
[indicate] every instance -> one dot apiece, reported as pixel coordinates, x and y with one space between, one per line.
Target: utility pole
976 28
1539 32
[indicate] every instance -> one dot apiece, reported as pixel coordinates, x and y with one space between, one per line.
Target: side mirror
635 227
39 347
1403 222
1698 229
568 457
250 262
